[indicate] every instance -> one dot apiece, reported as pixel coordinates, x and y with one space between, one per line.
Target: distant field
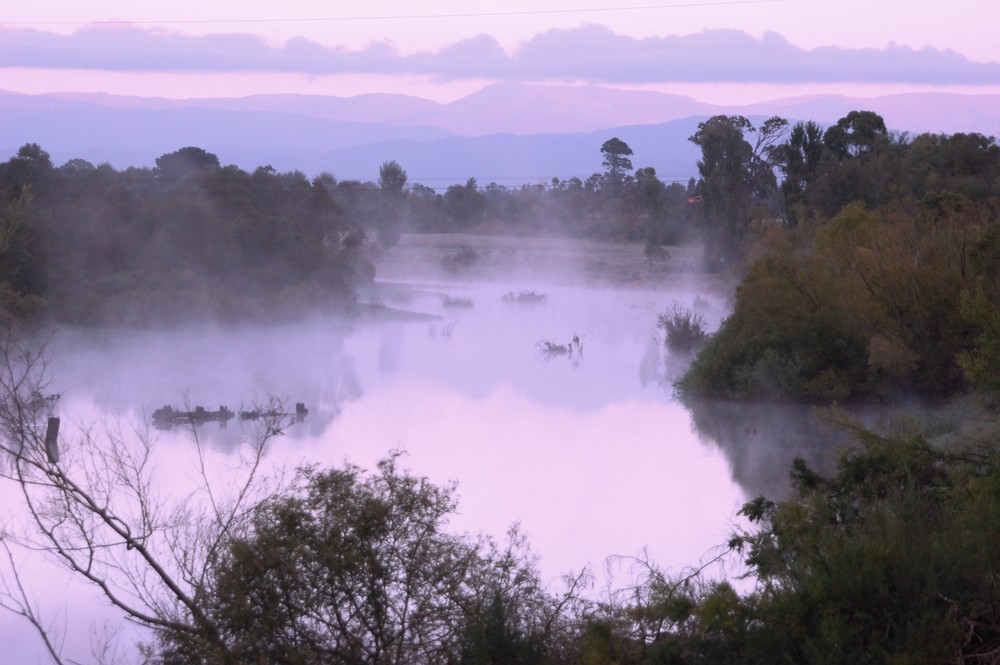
452 256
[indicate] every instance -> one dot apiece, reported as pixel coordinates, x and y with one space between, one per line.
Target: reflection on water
588 449
760 441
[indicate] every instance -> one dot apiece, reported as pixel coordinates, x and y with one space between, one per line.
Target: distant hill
515 108
502 108
505 133
72 124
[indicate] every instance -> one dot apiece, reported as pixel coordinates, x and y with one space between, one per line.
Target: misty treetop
190 236
616 161
187 238
776 175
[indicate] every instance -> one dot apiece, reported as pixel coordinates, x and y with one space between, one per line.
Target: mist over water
588 449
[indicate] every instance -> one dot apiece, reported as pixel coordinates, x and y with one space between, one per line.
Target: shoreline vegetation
869 268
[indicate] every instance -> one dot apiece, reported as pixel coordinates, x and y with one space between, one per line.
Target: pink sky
444 49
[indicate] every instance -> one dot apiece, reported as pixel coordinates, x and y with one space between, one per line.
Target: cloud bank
592 54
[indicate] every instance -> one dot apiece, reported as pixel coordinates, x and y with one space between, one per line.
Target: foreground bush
355 568
892 559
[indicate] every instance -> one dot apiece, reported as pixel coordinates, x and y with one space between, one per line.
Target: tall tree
20 270
186 161
735 176
30 169
616 161
857 134
802 155
464 204
391 177
725 185
391 182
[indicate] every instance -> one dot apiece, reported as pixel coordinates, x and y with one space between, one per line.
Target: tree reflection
761 440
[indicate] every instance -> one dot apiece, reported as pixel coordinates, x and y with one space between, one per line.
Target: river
456 362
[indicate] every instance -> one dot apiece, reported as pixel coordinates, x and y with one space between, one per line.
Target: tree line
87 244
190 237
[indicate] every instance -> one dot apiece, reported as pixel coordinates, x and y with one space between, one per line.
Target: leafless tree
90 499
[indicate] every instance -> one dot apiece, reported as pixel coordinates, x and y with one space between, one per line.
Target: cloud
591 53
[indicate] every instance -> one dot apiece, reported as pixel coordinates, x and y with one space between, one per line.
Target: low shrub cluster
685 329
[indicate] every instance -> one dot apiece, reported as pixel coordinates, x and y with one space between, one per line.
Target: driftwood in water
300 413
167 417
454 301
572 350
525 298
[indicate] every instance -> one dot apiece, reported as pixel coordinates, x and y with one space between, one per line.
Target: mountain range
510 134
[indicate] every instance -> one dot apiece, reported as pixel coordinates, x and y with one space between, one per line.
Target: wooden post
52 440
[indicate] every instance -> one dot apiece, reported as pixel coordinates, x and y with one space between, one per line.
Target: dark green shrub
684 328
